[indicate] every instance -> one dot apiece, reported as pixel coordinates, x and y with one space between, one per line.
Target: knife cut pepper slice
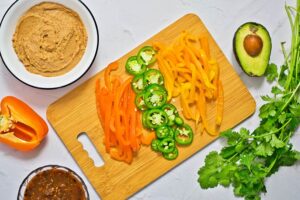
166 145
155 118
140 101
20 126
184 135
172 133
179 121
146 55
134 67
172 155
162 132
153 76
137 83
154 145
155 98
172 113
144 119
154 87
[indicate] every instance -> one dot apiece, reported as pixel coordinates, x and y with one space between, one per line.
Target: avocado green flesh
253 66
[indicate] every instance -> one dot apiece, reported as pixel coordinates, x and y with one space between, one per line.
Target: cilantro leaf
295 109
276 90
207 173
264 149
215 171
282 117
275 142
231 136
266 98
271 72
227 152
244 133
246 159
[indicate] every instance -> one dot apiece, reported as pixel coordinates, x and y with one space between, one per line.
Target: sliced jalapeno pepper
155 87
172 113
166 145
140 101
137 83
171 156
154 145
144 120
155 118
172 133
162 132
133 67
155 99
179 121
153 76
184 135
146 55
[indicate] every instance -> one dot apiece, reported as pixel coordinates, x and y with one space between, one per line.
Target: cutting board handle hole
87 144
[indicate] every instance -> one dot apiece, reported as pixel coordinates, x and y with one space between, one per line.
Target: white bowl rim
71 82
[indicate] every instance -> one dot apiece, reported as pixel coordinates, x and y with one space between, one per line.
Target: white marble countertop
123 25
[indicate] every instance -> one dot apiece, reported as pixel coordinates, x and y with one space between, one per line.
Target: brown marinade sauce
54 184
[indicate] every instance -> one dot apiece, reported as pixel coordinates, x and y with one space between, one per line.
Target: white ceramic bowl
14 65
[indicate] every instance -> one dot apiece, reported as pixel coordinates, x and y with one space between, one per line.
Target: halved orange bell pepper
20 126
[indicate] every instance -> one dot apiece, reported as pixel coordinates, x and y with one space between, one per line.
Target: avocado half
252 47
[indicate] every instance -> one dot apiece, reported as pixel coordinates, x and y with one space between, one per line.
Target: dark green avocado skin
239 58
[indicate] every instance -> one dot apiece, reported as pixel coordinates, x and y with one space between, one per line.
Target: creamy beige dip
50 39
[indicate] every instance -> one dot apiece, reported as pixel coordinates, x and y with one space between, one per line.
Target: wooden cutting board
76 112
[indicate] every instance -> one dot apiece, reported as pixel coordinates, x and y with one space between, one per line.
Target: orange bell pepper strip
148 137
20 126
116 154
116 110
111 67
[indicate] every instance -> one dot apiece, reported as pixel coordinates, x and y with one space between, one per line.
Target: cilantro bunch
250 157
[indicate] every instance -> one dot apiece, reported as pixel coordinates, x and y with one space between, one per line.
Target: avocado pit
253 45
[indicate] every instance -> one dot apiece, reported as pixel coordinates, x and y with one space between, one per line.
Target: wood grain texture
76 113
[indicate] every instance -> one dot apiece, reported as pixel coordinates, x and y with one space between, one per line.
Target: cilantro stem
272 164
294 43
272 132
286 139
287 9
286 57
291 97
228 160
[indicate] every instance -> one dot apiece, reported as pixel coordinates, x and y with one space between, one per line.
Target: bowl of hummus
48 44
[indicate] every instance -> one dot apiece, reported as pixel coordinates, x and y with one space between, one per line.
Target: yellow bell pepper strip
204 45
215 68
193 83
203 74
20 126
220 104
201 104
